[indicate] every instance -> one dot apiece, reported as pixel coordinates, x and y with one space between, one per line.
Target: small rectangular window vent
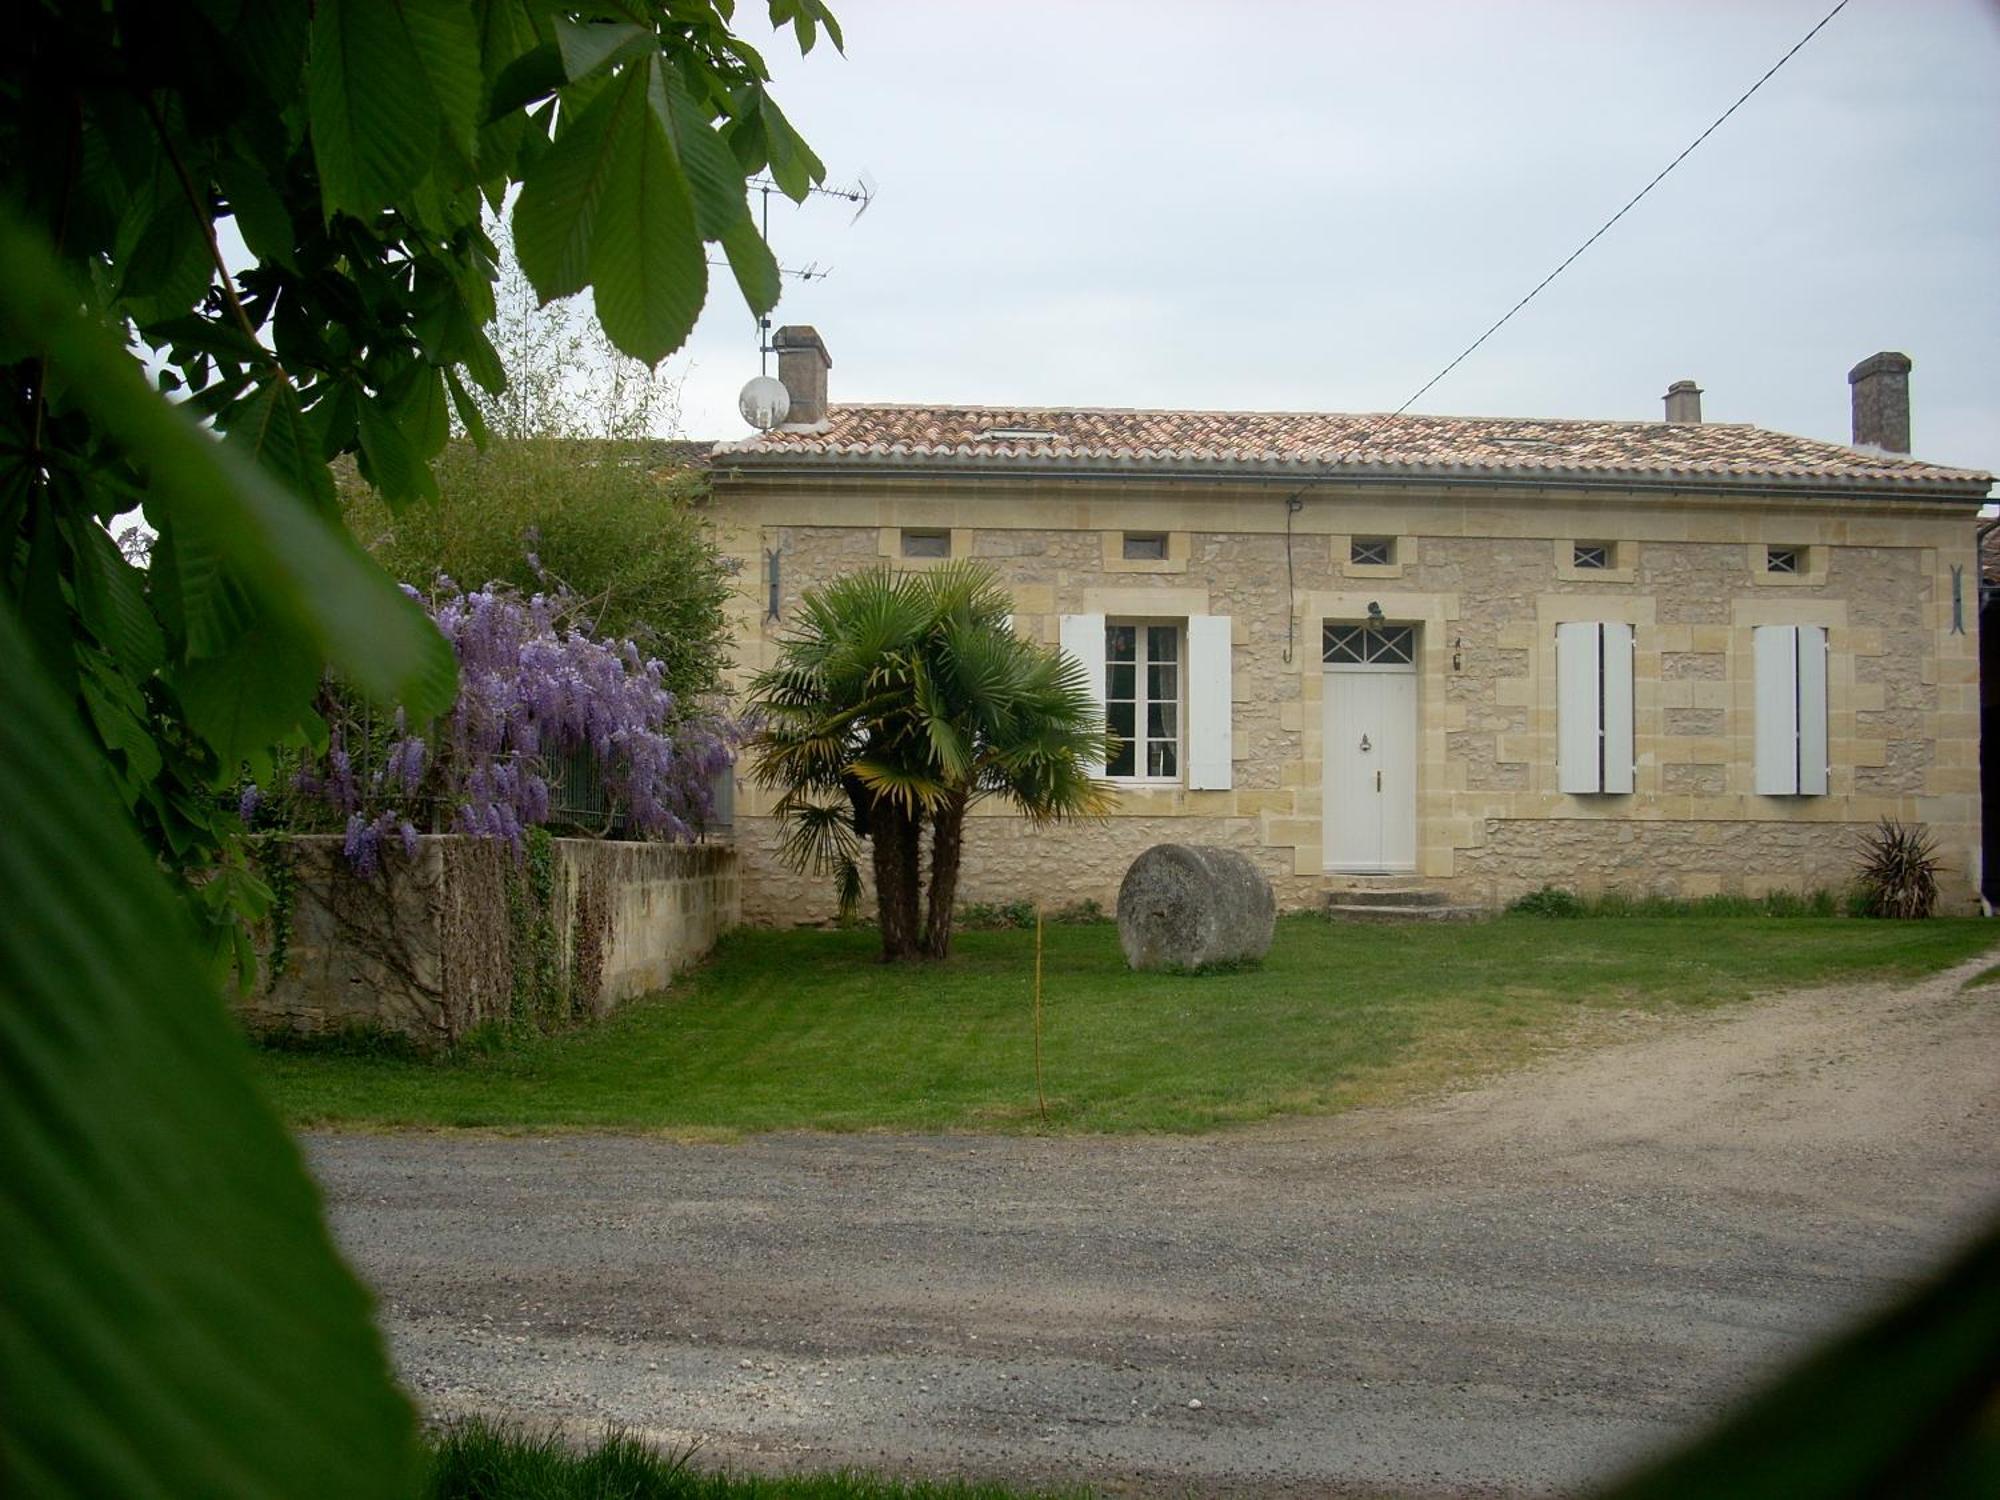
1371 551
1783 560
1592 555
1145 546
926 543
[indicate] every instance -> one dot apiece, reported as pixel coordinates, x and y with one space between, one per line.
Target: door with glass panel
1142 699
1369 748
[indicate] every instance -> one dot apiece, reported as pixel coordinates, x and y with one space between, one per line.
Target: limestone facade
1484 574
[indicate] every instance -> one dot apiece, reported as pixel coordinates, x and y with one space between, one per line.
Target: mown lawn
805 1030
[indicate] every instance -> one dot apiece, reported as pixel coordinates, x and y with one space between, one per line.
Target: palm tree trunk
947 843
910 849
894 840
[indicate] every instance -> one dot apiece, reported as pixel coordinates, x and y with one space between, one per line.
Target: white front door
1370 769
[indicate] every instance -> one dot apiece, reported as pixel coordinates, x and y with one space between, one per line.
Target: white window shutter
1579 729
1775 649
1812 710
1210 734
1082 640
1616 648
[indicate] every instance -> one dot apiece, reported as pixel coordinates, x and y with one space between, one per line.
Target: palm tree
899 701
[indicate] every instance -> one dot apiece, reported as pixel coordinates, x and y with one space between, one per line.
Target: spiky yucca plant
899 701
1898 875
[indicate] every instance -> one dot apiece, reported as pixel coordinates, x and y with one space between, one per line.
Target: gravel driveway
1510 1290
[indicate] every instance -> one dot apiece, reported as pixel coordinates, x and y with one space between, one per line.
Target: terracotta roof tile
1306 442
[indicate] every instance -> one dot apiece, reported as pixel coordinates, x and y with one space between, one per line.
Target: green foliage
1900 1405
982 916
272 855
173 1318
1549 901
898 702
481 1461
571 490
1555 901
1897 874
359 150
807 1030
538 1001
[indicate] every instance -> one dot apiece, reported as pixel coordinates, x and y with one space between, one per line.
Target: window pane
1120 681
1162 721
1120 642
1163 643
1145 546
1163 682
1120 718
1161 759
1341 643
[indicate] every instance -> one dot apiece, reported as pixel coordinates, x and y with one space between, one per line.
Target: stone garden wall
465 933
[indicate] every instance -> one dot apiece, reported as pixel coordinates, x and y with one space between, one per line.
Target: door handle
1365 746
1378 781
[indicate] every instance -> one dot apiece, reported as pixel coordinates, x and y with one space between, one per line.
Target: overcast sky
1308 206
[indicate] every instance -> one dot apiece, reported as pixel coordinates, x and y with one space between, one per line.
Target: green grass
805 1030
478 1461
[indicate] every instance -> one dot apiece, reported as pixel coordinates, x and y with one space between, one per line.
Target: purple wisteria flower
535 689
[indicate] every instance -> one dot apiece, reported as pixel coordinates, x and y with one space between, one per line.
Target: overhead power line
1571 258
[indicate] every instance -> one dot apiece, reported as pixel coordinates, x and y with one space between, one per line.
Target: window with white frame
1594 706
1164 687
1142 699
1791 710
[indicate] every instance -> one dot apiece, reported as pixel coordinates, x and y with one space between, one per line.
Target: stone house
1473 654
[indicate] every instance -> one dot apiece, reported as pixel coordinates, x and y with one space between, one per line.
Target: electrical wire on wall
1293 505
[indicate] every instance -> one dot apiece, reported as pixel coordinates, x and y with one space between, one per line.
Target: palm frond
913 789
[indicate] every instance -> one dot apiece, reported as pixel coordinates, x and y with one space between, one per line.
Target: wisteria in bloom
534 690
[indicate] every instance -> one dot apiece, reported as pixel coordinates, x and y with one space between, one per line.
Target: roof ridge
1219 411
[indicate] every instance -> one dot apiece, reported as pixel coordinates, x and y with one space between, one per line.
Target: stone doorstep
1339 911
1393 899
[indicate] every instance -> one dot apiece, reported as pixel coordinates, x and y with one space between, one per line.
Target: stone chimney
802 366
1882 402
1684 402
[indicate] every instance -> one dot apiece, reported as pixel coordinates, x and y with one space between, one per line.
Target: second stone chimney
1881 385
1684 402
802 366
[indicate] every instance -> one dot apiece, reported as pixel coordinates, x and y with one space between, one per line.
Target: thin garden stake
1040 1098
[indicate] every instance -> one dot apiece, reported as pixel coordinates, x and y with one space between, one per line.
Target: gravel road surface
1511 1290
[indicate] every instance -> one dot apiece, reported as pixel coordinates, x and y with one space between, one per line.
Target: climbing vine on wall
272 854
539 1001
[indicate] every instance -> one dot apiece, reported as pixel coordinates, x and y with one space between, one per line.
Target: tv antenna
765 402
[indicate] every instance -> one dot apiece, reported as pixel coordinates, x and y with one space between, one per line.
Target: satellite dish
764 403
